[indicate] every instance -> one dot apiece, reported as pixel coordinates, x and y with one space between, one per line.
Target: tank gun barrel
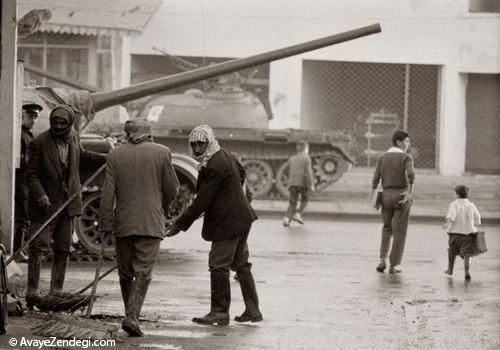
102 100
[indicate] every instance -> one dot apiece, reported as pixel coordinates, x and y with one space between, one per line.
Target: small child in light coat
461 222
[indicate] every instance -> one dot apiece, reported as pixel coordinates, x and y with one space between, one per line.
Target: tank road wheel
87 228
179 205
328 168
282 179
259 177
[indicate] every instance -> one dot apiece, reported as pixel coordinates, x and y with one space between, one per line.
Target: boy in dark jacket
227 220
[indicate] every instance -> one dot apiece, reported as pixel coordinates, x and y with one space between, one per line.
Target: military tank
241 125
86 103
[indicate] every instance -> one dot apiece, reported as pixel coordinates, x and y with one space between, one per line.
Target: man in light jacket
142 182
396 171
300 182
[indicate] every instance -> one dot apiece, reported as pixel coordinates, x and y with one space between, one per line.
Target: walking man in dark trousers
30 112
227 220
300 183
140 183
396 170
53 176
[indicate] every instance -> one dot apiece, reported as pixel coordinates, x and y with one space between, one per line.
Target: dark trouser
136 257
395 224
294 195
21 222
57 234
228 254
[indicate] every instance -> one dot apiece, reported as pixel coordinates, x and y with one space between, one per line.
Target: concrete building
86 41
434 69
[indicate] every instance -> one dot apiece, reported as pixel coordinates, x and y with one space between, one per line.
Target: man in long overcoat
139 185
227 220
53 176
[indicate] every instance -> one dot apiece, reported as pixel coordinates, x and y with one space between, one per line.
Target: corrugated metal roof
93 17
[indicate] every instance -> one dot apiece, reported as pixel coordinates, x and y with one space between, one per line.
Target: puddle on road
177 333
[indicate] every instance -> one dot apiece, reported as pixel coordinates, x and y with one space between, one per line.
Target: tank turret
264 158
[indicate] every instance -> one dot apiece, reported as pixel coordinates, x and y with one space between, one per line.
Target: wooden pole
8 45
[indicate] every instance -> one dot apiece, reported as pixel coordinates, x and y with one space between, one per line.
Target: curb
358 210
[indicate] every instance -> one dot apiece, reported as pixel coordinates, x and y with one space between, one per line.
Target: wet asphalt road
319 289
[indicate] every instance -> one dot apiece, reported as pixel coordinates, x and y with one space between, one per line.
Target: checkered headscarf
204 133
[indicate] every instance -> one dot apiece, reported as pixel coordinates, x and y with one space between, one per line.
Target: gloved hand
172 230
44 201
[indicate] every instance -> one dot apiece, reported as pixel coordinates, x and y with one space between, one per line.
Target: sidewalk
350 197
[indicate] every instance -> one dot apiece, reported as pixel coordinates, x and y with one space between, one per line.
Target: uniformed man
30 112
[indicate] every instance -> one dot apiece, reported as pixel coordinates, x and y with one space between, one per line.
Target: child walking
461 222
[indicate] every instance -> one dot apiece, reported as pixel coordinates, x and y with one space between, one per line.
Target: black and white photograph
249 174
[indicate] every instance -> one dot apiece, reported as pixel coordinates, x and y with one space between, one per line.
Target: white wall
438 32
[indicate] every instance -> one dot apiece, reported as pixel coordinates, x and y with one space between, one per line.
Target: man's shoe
286 221
381 267
131 327
393 269
298 218
246 316
467 277
213 317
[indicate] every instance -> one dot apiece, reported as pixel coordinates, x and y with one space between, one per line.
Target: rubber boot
138 291
125 287
34 268
58 272
220 300
250 297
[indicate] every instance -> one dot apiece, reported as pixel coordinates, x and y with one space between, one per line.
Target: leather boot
58 272
220 300
138 291
125 287
34 267
250 297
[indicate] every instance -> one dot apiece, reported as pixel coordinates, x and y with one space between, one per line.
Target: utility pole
8 112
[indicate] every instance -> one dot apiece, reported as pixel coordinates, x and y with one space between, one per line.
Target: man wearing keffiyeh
227 220
53 176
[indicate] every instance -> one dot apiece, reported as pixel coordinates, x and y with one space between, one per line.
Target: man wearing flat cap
30 111
140 183
53 176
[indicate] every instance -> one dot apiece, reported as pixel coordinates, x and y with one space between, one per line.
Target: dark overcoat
45 175
220 196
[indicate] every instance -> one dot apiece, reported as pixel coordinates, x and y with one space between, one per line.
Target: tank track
324 170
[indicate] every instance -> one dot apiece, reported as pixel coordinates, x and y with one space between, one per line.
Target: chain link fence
371 100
